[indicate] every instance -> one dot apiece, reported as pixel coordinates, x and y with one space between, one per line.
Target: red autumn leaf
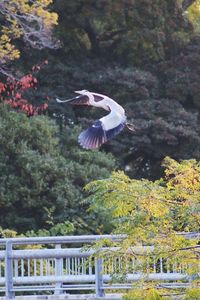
12 93
18 96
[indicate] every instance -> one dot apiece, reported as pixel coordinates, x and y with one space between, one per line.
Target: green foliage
193 13
59 229
38 185
7 233
121 30
142 294
183 184
142 54
152 213
144 203
30 20
192 294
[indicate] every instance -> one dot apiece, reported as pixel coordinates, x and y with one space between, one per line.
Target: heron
105 128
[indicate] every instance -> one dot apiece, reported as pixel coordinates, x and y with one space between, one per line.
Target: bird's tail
130 127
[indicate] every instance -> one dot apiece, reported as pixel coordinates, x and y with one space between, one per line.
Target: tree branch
31 26
106 36
187 3
90 30
188 248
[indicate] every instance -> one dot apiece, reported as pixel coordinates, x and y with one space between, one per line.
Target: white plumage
105 128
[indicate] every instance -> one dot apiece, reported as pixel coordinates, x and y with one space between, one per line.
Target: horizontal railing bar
73 252
150 276
45 287
91 287
190 235
82 287
91 278
49 287
54 279
61 239
27 287
34 288
77 286
78 239
175 286
181 284
50 253
88 286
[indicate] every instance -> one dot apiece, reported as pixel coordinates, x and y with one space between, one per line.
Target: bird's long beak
78 92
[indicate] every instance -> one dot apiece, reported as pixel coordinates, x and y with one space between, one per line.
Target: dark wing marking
78 100
98 98
93 137
81 100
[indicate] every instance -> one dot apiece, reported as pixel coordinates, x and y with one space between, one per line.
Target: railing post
58 272
99 277
9 271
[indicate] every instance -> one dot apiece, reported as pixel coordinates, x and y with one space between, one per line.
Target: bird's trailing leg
130 127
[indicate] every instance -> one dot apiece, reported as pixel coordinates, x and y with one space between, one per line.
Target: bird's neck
114 106
90 96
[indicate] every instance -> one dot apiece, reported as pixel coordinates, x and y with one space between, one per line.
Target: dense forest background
145 55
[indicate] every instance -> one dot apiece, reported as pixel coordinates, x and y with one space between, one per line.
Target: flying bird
105 128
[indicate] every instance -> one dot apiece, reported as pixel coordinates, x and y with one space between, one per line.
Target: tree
125 49
154 213
142 54
37 183
125 31
15 93
25 19
172 200
193 13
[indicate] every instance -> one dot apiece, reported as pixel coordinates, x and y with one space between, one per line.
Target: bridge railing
59 268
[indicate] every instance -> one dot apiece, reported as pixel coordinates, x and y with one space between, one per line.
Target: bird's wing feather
102 131
78 100
93 137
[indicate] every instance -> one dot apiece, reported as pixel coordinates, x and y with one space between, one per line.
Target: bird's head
82 92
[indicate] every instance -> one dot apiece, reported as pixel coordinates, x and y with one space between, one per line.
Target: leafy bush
37 177
192 294
142 294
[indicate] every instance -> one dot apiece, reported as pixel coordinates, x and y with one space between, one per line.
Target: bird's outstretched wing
84 100
93 137
81 100
101 131
78 100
